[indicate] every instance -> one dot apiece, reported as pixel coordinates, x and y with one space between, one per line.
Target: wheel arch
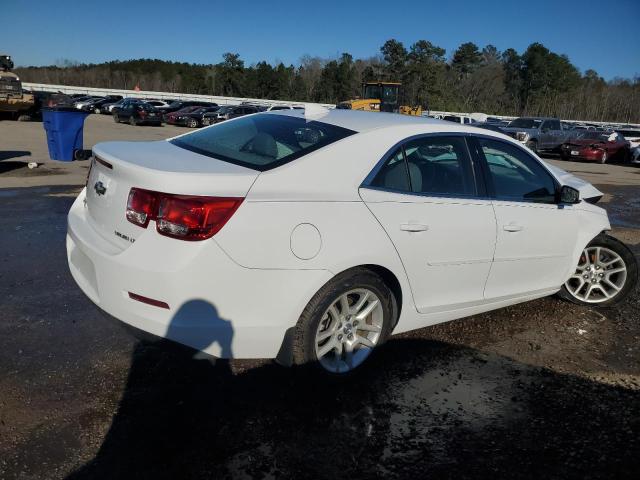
285 353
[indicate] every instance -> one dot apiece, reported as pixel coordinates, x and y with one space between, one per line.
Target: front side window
263 141
429 165
515 174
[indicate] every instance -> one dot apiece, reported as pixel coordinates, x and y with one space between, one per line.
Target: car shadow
7 154
420 409
10 166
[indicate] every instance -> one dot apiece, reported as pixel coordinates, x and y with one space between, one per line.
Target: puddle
470 392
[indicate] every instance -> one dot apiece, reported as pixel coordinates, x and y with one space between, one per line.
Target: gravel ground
544 389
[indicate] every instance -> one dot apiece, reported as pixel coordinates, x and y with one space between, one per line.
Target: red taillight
142 206
186 217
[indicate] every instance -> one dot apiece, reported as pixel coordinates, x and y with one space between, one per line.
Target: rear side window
516 175
263 141
429 165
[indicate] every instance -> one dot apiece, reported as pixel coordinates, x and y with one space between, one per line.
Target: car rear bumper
214 304
589 155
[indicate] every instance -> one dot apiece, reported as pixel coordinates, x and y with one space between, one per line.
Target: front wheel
132 121
192 123
533 146
344 322
606 273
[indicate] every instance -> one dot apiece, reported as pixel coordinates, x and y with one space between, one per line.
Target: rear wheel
132 121
533 146
606 272
344 322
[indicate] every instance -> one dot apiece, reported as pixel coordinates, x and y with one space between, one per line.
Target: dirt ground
545 389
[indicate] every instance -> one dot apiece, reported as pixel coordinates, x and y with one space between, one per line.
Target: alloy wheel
349 330
600 275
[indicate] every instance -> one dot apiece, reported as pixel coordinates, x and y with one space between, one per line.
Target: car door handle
512 227
413 227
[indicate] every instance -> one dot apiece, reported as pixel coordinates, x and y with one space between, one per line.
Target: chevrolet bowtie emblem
100 188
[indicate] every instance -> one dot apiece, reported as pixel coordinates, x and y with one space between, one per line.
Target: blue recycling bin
64 127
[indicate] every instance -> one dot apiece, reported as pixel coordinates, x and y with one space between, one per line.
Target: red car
595 146
172 118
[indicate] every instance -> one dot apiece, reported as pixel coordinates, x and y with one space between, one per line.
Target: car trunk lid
157 166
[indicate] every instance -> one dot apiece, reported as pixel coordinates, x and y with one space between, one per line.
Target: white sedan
311 236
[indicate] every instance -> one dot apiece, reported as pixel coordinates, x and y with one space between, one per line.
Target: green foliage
536 82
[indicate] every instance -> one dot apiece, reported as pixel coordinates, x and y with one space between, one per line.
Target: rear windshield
262 141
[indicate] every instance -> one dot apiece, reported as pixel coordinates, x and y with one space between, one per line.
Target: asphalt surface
544 389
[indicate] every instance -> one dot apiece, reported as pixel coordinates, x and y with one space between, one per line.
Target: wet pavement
544 389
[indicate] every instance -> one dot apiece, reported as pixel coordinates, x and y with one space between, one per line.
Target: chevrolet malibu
311 236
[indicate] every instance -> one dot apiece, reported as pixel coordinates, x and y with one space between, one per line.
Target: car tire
331 337
115 118
614 257
132 121
96 111
605 157
192 123
533 146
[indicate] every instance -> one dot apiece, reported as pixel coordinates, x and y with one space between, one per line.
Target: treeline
536 82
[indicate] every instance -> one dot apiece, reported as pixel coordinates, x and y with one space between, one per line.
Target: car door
536 236
545 135
125 111
556 137
425 196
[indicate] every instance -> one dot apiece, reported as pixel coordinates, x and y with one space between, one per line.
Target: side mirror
569 195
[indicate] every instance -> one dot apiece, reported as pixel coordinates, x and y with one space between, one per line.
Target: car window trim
477 180
489 179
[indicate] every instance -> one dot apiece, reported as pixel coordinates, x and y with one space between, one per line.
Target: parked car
596 146
107 108
227 112
490 126
171 117
179 105
537 133
190 116
95 105
81 102
313 236
632 135
137 112
157 103
274 108
458 119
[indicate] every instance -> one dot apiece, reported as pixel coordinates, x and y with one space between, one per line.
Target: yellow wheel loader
380 97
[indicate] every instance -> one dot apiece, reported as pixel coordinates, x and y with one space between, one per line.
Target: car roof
360 121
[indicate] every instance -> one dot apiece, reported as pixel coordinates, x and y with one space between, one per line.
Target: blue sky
604 36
